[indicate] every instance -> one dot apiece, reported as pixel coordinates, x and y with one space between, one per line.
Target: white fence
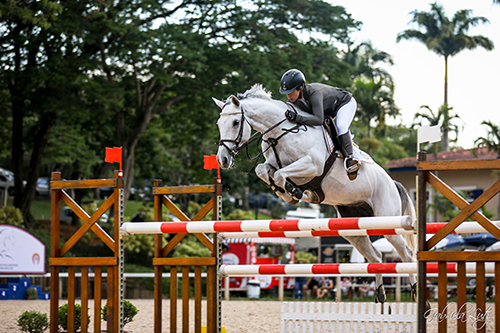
305 317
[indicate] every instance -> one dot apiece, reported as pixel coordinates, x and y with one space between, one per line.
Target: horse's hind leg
367 250
406 254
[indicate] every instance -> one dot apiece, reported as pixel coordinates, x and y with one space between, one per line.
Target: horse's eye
236 123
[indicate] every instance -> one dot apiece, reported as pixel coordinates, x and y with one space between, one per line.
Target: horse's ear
235 101
219 103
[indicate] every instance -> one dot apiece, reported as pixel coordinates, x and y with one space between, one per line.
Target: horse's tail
408 209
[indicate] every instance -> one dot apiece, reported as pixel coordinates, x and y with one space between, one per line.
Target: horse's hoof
427 306
314 197
380 296
414 292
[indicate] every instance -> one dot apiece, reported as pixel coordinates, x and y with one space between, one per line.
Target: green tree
375 99
492 141
106 70
40 71
443 118
446 37
365 60
492 138
167 61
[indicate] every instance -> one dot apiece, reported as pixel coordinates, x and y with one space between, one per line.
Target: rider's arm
316 104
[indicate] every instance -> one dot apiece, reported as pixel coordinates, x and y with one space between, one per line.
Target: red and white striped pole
432 228
338 269
379 222
314 233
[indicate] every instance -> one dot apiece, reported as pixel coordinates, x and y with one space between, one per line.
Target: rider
321 101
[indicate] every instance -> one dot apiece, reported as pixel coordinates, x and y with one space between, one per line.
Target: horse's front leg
266 171
304 167
367 250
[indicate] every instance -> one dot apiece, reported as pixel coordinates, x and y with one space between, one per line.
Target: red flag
114 155
210 162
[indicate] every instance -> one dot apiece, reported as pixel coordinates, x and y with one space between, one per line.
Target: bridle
257 136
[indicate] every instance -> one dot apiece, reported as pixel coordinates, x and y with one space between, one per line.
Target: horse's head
234 130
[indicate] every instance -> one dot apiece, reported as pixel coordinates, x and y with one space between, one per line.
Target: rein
271 142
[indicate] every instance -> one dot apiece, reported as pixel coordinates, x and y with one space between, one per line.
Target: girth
314 185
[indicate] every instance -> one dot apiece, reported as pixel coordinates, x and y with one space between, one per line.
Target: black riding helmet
291 80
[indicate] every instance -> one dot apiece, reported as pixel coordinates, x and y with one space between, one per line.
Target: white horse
295 154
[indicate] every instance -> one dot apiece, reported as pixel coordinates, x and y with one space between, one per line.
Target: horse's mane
256 91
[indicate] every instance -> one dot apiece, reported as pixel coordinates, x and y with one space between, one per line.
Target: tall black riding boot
351 164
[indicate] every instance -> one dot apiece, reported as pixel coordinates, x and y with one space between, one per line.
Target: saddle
314 185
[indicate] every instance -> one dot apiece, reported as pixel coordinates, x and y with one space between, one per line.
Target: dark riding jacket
320 101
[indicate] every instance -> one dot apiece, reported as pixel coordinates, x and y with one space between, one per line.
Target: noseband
272 142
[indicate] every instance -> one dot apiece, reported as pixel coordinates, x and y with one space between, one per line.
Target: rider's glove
291 115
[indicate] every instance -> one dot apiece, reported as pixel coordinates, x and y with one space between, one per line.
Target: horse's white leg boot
266 172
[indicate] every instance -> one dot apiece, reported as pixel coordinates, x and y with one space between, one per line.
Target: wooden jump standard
211 264
112 263
426 176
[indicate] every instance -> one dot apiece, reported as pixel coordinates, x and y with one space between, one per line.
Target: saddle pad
362 156
358 153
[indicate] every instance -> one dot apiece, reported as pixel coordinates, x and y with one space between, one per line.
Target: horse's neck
263 115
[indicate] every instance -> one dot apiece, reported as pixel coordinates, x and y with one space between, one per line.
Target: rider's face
294 95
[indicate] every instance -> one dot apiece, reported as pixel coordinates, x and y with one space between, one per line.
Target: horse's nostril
225 161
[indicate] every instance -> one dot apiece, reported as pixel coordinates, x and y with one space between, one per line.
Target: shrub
31 293
129 312
11 215
306 257
33 322
63 317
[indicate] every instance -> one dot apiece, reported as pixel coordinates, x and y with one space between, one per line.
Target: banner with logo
20 252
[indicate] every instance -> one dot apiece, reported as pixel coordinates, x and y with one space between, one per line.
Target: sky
473 75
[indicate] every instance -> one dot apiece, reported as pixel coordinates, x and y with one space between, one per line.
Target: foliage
141 245
81 75
443 117
239 215
33 322
31 293
129 312
492 139
63 317
11 215
449 210
306 257
191 247
446 37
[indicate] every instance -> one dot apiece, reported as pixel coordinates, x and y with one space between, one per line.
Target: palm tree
375 100
446 38
492 139
443 118
365 59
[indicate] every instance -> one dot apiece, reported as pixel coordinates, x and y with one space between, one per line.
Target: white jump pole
432 228
314 233
339 269
386 222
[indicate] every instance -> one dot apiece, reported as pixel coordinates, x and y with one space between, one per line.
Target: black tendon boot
351 164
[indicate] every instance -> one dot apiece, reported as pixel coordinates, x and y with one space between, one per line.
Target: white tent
382 245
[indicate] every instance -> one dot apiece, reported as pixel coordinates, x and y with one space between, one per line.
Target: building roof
410 163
